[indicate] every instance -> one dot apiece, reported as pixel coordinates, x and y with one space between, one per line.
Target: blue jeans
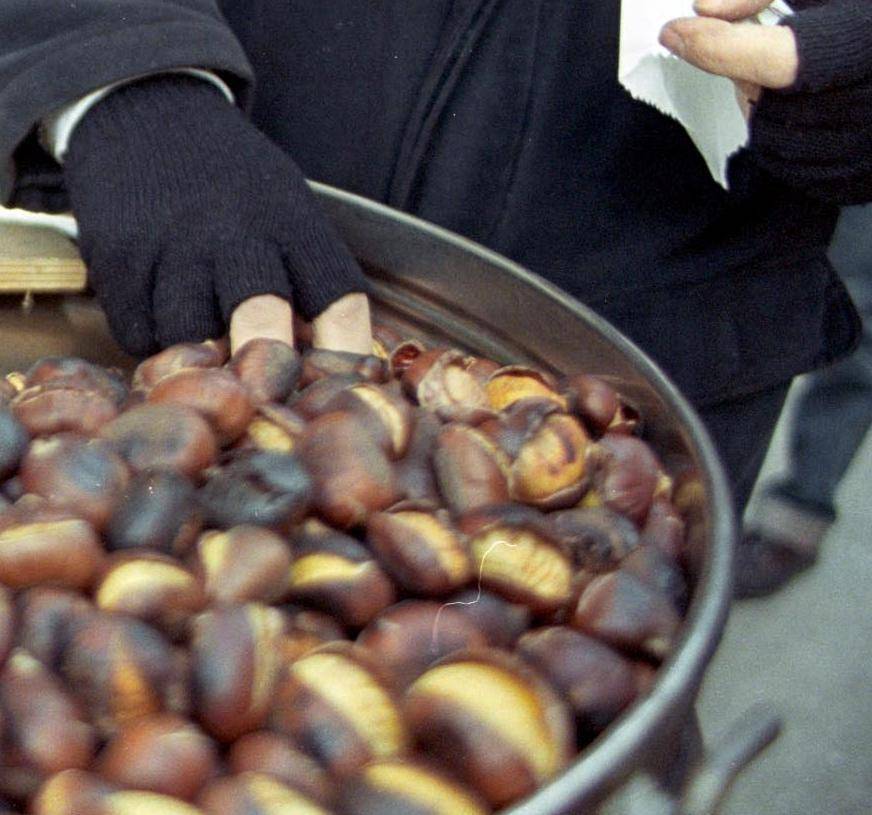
834 408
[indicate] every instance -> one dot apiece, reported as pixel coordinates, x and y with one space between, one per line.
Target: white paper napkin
704 104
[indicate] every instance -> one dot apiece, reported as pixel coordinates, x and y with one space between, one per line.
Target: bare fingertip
671 39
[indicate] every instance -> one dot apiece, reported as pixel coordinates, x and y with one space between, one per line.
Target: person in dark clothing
832 416
500 119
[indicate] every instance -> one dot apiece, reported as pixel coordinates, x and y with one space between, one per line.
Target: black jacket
502 120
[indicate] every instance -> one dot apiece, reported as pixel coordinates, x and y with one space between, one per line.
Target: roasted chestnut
336 704
596 680
215 394
279 756
244 564
255 794
163 437
160 753
209 354
333 572
493 721
422 551
319 363
47 728
515 382
83 475
120 668
351 472
439 380
596 537
151 586
157 512
600 405
471 471
621 610
265 489
517 556
269 369
273 428
49 547
78 374
410 636
47 619
396 787
236 661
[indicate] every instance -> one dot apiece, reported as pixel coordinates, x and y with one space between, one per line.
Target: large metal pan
436 284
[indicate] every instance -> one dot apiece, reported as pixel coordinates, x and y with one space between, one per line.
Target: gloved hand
806 86
186 211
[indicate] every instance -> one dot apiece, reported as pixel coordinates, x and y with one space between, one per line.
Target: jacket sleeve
52 53
817 134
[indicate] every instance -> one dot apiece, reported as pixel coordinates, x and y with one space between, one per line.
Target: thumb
764 55
730 9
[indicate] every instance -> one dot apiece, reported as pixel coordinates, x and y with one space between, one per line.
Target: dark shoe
764 564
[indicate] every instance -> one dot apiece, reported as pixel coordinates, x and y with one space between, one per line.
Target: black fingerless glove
185 210
817 134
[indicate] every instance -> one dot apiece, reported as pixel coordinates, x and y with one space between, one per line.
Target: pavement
806 652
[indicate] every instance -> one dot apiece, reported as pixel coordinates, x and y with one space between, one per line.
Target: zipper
458 44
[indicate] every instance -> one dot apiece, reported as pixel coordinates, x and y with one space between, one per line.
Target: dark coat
502 120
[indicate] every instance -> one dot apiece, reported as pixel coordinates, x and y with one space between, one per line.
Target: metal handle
745 739
697 782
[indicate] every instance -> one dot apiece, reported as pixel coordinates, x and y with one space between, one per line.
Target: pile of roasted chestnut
320 583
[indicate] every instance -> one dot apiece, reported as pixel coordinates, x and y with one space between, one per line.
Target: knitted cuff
834 43
156 108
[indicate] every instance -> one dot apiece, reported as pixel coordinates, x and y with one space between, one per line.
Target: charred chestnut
84 475
264 489
14 439
157 512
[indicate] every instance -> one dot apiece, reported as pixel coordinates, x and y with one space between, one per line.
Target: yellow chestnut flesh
501 729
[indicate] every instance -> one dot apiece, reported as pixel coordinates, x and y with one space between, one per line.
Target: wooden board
38 259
